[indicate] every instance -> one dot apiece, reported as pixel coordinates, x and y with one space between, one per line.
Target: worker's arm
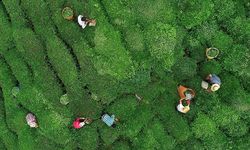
180 101
192 91
209 90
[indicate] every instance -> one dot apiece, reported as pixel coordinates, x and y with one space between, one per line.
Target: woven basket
68 13
208 53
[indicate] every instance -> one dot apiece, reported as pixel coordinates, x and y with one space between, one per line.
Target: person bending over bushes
83 21
31 120
81 122
212 83
110 120
185 94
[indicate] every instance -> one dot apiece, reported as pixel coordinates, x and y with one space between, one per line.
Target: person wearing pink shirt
31 120
81 122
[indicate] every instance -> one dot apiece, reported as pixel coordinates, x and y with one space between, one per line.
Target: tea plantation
129 65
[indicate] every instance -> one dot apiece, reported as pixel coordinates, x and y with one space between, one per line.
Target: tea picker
31 120
68 14
212 83
183 109
109 120
83 21
185 94
81 122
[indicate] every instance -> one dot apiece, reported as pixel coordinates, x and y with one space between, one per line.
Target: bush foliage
129 65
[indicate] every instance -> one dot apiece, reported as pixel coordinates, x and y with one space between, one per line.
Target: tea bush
193 13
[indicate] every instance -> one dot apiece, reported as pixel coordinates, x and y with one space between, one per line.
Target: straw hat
215 87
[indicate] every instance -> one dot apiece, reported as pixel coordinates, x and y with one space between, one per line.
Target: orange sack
182 90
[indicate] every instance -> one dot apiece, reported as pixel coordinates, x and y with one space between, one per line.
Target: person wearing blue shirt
109 120
214 81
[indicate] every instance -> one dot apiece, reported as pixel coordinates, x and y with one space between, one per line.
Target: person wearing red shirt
81 122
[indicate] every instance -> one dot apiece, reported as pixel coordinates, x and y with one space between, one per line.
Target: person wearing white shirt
83 21
183 109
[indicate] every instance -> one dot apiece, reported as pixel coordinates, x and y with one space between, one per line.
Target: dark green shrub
224 9
177 127
207 31
54 45
139 80
40 18
132 128
218 141
28 44
151 92
126 104
26 139
16 13
158 11
205 101
229 120
112 58
245 81
52 124
161 41
238 129
29 139
8 140
7 81
203 127
146 140
88 138
197 51
193 13
58 53
108 134
104 87
192 143
166 141
135 40
210 67
193 83
241 143
184 68
223 42
45 143
239 27
153 136
225 116
237 60
2 146
121 12
230 82
69 31
174 124
34 55
5 38
57 131
110 55
121 145
18 66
